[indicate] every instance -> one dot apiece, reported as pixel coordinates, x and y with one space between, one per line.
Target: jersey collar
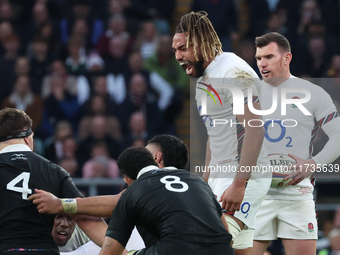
212 64
150 168
169 168
15 147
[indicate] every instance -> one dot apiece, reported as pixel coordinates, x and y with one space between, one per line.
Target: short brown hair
13 121
280 40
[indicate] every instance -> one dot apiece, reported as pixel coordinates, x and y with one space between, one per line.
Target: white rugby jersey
226 139
297 140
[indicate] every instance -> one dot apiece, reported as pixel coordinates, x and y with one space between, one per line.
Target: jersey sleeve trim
255 99
328 118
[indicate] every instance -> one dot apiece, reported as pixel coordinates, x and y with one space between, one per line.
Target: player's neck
278 81
208 62
11 142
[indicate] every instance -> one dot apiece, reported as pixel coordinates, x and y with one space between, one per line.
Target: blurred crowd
98 76
95 76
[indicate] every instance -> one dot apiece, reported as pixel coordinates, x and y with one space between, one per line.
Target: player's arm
94 227
100 206
111 247
207 160
252 143
327 155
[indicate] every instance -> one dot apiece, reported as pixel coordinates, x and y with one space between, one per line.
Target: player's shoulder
45 162
236 67
18 156
317 92
150 177
47 167
303 83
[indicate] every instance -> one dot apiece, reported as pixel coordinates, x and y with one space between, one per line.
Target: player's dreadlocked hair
198 27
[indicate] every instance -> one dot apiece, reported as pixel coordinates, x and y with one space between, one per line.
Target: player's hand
47 202
302 169
232 197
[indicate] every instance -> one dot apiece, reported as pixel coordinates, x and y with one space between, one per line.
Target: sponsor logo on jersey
17 156
245 207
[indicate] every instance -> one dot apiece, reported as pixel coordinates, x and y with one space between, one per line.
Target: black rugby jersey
21 225
176 207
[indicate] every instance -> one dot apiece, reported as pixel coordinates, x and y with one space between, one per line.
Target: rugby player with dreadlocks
234 144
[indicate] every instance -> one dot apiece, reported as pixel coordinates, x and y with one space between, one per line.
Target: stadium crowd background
98 76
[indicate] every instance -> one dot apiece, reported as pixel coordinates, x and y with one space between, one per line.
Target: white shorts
255 192
244 239
291 219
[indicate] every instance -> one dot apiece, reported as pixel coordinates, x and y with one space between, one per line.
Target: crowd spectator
7 63
99 133
81 10
6 30
247 53
116 59
165 64
97 106
55 148
147 41
110 91
158 90
95 66
40 62
23 99
332 84
117 27
137 130
136 100
100 164
40 16
60 105
58 68
223 16
6 14
316 60
70 165
76 61
310 12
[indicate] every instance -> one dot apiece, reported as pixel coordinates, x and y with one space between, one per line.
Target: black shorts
166 248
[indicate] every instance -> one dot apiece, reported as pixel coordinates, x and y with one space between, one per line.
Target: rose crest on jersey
293 105
310 227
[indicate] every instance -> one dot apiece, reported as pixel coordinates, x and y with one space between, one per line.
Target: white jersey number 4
25 177
176 180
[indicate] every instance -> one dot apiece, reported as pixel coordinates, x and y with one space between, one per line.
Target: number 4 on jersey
25 177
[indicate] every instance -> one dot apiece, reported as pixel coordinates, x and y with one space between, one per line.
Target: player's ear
288 58
26 140
158 156
29 142
128 180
